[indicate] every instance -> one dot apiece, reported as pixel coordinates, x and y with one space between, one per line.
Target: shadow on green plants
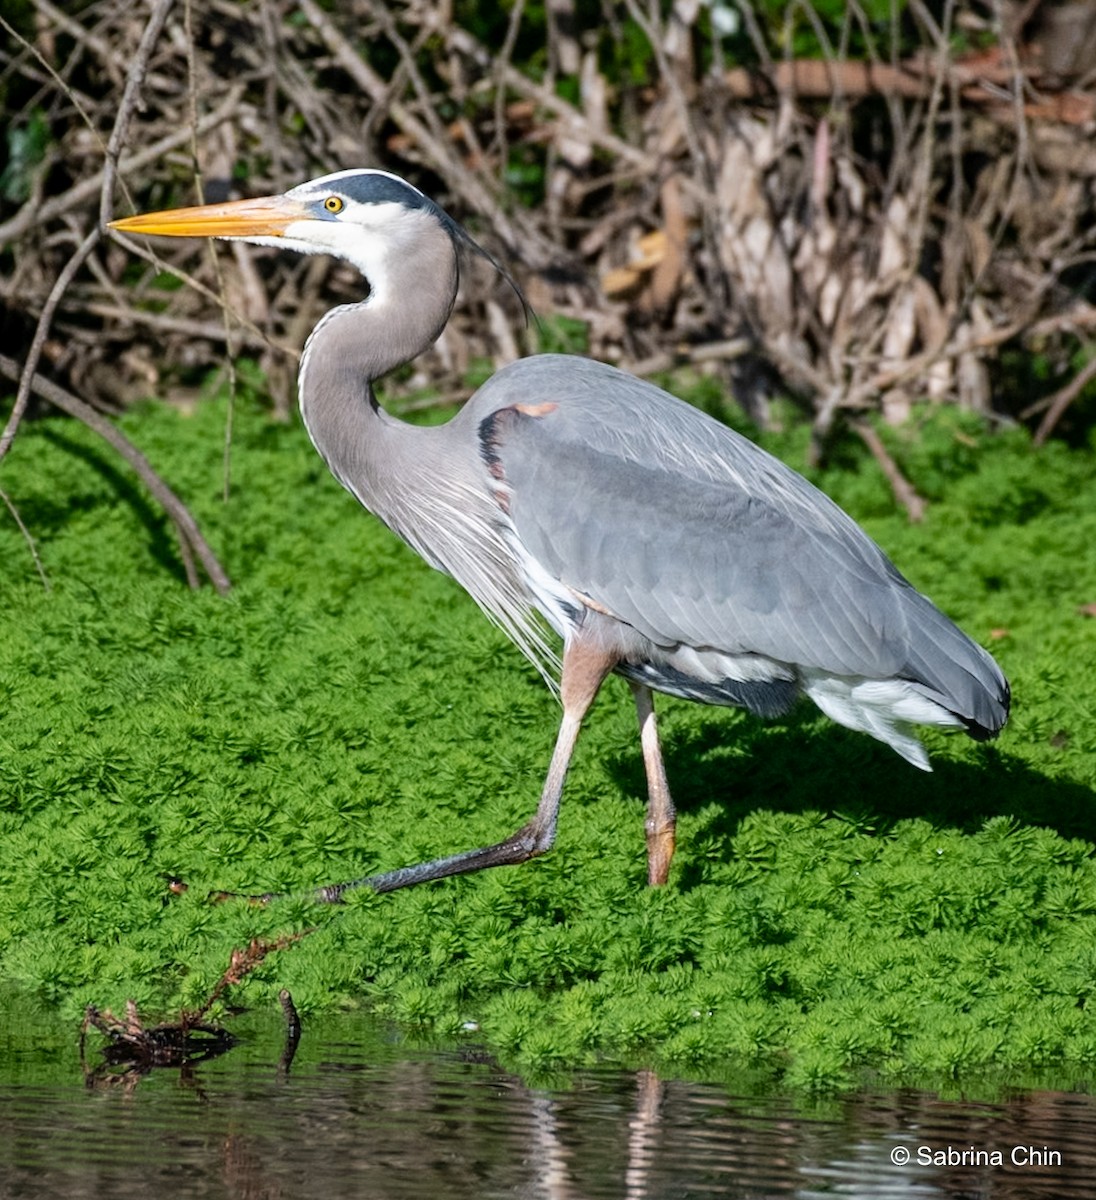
722 768
45 514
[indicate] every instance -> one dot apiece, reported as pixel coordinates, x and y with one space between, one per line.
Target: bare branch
169 501
45 319
1057 404
27 537
135 78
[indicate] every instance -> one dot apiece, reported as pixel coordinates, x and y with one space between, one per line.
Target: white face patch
371 237
365 235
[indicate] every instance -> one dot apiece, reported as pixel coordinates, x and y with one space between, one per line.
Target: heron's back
738 579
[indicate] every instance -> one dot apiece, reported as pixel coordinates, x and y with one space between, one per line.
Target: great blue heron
656 542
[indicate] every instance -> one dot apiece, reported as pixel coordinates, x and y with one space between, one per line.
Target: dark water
359 1114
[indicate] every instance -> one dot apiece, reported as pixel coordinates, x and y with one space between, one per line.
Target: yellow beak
267 216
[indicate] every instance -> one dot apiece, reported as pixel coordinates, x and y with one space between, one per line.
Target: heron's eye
334 204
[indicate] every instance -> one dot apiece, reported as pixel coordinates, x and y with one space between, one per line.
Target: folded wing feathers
728 552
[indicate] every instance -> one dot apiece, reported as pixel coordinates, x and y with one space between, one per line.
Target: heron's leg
661 817
584 670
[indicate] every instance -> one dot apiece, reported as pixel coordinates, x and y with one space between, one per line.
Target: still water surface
361 1114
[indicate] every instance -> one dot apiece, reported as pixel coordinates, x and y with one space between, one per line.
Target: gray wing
692 534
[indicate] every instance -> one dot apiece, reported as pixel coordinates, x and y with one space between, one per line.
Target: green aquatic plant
346 710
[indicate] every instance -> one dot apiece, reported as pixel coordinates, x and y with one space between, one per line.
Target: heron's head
374 220
368 218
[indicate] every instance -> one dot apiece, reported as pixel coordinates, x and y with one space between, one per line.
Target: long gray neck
429 484
413 290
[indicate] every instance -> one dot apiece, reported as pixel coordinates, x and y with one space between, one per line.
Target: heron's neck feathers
413 284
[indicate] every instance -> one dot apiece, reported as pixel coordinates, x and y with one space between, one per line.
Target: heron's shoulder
572 402
583 395
569 378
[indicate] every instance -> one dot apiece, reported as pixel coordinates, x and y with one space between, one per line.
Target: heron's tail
948 680
955 672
